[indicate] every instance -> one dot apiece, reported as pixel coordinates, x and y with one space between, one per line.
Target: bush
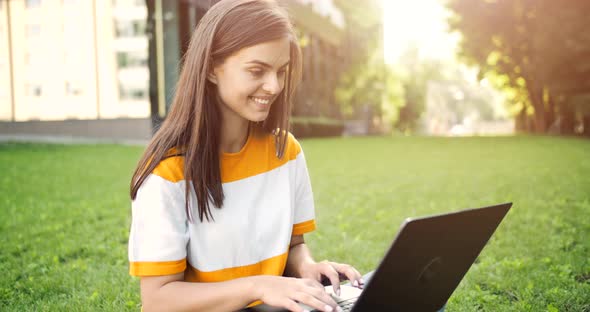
304 127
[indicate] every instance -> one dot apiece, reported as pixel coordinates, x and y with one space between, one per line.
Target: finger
316 289
313 283
313 302
361 281
322 295
330 272
292 306
351 273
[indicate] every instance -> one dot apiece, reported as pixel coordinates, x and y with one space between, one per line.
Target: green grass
65 213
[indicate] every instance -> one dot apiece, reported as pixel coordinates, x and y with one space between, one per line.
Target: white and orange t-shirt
267 200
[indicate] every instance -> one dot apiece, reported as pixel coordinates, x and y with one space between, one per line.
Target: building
108 68
68 65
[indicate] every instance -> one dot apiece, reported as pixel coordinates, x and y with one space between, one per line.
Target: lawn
65 213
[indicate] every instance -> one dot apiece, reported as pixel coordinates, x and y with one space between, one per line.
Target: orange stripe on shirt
257 156
270 266
157 268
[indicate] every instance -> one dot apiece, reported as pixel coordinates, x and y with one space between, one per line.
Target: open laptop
424 264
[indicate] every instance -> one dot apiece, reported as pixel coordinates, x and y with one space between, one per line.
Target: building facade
82 67
73 59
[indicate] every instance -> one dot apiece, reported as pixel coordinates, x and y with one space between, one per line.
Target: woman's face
251 79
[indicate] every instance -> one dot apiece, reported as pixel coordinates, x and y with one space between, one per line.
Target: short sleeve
159 228
304 218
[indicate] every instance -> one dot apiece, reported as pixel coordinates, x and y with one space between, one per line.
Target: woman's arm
172 293
299 255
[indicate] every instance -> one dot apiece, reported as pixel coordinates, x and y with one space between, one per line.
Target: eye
282 72
256 72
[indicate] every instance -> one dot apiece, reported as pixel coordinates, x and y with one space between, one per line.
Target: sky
419 22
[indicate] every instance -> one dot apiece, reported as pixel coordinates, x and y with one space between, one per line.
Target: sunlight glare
420 23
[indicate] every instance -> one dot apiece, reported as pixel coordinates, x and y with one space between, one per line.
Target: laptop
424 264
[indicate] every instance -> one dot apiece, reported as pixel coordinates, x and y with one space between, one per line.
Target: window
32 30
131 59
122 59
139 28
30 4
132 93
130 28
33 89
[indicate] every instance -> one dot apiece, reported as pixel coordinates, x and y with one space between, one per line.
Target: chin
257 117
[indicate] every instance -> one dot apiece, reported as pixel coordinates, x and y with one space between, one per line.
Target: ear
212 77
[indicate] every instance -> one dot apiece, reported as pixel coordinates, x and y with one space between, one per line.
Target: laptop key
345 305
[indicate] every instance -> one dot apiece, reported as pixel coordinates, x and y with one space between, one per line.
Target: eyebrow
263 64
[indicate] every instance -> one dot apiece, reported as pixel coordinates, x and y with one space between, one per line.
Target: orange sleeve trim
303 227
157 268
255 303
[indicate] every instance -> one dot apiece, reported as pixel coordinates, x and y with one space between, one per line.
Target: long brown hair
193 124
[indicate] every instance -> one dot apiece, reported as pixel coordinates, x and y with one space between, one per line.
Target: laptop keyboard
345 305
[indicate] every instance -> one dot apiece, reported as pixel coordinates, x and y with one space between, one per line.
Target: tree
366 82
370 84
416 75
538 51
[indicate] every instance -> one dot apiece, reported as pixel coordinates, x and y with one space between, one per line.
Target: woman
224 153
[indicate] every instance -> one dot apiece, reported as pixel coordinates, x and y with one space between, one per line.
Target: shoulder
171 167
292 146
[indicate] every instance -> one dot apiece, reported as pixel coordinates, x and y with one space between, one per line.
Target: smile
260 100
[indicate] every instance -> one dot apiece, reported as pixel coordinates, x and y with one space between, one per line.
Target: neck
234 134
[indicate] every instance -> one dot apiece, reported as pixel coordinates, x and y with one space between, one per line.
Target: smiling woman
249 81
224 153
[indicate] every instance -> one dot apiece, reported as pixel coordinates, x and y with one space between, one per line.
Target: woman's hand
333 271
286 292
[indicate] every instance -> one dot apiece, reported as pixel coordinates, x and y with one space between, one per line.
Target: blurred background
106 69
430 106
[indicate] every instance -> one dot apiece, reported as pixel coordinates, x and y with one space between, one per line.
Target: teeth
260 101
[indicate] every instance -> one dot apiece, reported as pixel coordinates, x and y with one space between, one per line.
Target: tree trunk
536 97
550 114
586 123
568 119
520 122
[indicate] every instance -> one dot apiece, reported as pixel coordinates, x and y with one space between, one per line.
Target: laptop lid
428 259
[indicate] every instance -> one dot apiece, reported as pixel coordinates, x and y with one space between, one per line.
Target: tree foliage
415 77
538 51
366 82
370 84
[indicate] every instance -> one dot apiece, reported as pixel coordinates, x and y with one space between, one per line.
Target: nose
272 84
